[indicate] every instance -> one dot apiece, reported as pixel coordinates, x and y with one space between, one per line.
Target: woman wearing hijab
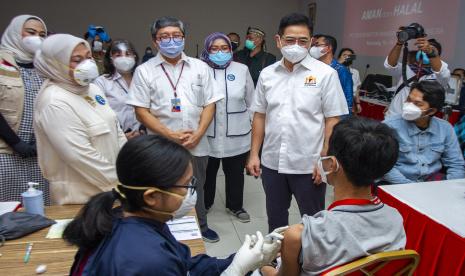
78 134
229 132
120 62
19 85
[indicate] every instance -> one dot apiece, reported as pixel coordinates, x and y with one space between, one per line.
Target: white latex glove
272 245
248 257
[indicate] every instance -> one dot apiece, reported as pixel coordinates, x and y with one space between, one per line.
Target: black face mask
234 45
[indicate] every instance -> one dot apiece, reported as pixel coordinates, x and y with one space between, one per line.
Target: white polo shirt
296 104
151 88
397 103
116 91
229 133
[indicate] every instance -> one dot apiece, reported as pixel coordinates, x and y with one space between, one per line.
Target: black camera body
411 31
349 59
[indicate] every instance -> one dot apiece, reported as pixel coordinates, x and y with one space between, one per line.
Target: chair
401 262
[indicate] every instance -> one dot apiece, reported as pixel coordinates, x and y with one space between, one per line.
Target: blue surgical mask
171 49
220 58
423 56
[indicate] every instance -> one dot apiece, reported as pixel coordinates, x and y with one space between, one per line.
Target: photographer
427 65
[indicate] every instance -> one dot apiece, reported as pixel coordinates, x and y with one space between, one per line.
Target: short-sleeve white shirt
116 91
150 88
296 104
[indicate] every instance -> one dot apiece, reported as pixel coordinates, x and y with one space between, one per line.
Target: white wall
132 19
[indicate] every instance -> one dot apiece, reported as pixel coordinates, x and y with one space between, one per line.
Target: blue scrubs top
139 246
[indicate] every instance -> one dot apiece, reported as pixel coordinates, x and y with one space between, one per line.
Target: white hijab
12 39
53 59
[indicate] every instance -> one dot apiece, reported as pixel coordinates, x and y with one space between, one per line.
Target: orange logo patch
310 81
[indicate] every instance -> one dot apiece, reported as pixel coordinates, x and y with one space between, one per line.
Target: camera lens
403 36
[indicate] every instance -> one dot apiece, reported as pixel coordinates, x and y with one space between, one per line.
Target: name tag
176 105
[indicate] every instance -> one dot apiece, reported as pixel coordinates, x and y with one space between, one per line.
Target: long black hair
108 67
144 161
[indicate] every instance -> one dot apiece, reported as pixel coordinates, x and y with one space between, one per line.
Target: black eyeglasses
192 186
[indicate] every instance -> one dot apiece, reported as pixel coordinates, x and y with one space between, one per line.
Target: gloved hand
247 258
24 149
272 245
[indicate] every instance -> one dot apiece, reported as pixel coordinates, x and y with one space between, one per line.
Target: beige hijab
53 58
12 39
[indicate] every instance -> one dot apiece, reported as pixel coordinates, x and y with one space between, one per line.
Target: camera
349 59
411 31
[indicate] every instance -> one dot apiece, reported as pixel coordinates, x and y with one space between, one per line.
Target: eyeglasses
192 185
223 48
167 38
318 45
302 41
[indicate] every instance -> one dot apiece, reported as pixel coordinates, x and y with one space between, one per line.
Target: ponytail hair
92 223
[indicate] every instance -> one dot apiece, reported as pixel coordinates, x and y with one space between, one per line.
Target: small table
55 253
434 221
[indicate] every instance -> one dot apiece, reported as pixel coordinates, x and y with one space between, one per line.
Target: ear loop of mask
171 214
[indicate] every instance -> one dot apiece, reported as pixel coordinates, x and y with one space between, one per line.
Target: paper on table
56 231
185 228
8 206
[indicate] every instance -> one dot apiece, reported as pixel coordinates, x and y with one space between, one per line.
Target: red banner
371 25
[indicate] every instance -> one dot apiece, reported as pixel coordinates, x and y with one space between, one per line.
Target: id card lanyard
175 102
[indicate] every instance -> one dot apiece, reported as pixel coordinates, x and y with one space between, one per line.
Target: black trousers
279 189
233 168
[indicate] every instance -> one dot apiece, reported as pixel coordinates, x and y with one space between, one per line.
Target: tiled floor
232 231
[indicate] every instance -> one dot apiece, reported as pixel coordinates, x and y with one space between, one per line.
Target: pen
28 252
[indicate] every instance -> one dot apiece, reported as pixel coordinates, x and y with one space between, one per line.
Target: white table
442 201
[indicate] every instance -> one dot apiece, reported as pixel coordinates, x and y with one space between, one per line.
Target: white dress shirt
397 103
229 133
78 140
116 91
355 79
296 104
150 88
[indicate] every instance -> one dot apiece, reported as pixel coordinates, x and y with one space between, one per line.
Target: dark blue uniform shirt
139 246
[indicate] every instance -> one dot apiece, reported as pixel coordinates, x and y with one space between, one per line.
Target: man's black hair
436 44
345 49
433 92
330 40
292 20
366 149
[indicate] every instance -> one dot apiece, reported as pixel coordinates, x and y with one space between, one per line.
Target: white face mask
411 112
86 72
321 170
188 203
294 53
315 52
98 46
32 43
124 64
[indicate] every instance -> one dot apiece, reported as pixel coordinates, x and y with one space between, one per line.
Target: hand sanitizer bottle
33 200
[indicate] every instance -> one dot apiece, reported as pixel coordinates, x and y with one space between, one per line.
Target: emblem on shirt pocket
100 99
310 81
231 77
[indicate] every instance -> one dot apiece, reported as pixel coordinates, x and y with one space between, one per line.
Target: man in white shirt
297 102
427 66
173 96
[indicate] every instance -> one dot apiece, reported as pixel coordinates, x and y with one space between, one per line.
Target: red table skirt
442 252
